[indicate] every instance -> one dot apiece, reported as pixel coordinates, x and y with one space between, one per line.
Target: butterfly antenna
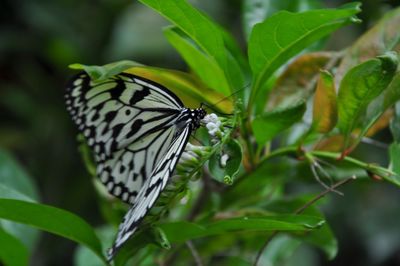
223 99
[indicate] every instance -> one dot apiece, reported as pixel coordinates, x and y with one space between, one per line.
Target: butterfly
137 130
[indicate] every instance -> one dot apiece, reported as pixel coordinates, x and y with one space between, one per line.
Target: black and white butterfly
137 130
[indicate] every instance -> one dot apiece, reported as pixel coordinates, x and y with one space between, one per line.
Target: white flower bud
224 159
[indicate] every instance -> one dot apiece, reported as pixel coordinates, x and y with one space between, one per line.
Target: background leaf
16 183
197 26
381 38
99 73
255 11
268 125
360 86
285 34
204 66
12 251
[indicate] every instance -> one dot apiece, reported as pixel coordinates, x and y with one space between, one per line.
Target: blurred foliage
40 161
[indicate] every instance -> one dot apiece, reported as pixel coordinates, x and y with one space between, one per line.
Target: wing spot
117 191
125 196
110 186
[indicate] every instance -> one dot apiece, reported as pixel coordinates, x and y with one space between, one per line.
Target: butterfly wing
127 123
151 189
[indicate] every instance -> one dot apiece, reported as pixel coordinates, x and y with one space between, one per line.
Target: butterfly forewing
124 119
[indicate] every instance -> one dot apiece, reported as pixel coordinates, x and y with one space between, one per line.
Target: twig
302 209
194 252
324 193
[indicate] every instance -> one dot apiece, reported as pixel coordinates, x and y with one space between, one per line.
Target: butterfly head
197 115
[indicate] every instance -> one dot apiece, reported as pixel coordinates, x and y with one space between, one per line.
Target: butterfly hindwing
151 189
121 117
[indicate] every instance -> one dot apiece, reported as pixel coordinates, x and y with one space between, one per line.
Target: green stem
293 150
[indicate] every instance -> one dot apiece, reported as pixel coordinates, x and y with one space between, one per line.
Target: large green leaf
322 237
360 86
268 125
53 220
285 34
204 66
196 25
178 232
12 251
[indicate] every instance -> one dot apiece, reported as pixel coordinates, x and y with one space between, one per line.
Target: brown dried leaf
293 85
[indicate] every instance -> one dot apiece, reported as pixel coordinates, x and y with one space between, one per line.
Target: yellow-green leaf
325 104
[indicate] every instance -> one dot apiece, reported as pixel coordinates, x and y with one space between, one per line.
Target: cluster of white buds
191 157
214 126
215 129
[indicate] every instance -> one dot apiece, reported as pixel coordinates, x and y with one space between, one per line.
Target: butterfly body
137 130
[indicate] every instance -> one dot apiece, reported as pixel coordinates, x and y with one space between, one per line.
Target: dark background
39 39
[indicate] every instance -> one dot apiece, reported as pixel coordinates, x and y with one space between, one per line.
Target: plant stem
194 253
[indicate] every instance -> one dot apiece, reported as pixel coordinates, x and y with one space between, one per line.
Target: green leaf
360 86
268 125
394 154
204 66
12 251
380 105
226 171
255 11
15 183
99 73
395 123
14 176
324 239
285 34
86 257
325 105
183 231
392 93
196 25
52 220
279 250
178 232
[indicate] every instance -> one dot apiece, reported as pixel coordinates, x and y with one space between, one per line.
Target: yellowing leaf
187 87
292 85
325 104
